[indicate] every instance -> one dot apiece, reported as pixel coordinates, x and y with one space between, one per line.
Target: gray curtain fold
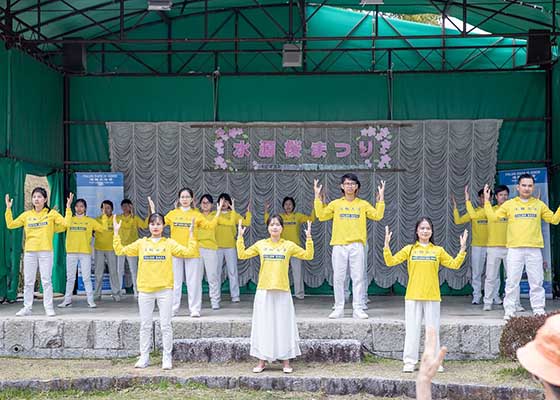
431 160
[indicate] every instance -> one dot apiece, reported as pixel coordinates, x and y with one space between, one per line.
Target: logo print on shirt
182 224
274 257
37 224
526 215
154 258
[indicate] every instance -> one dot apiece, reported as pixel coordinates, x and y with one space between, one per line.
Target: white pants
133 266
343 256
297 277
477 262
413 312
192 271
494 257
72 260
111 259
209 259
146 306
231 263
31 261
531 258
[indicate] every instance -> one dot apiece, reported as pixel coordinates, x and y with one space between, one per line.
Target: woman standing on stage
225 237
422 292
292 223
209 251
187 269
155 282
274 333
78 249
39 225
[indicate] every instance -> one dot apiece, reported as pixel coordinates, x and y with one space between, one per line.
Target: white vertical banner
509 178
94 188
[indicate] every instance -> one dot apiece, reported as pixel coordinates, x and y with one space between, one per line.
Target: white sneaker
441 369
487 307
142 362
235 300
91 304
498 301
360 314
337 313
537 313
519 308
50 313
215 306
24 312
507 317
166 362
65 304
116 298
476 301
408 368
195 314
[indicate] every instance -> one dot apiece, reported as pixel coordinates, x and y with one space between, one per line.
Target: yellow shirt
227 228
129 227
207 237
349 218
497 230
524 220
479 226
78 234
104 239
180 223
39 227
292 224
423 267
275 260
155 260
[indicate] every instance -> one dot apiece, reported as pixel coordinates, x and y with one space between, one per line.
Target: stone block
475 339
18 335
130 335
78 334
319 330
48 334
107 334
388 337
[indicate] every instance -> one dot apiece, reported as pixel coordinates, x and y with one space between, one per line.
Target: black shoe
11 301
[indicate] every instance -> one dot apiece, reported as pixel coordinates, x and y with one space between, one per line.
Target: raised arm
401 256
455 263
243 253
308 252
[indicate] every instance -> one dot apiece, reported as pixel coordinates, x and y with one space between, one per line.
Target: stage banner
509 178
423 163
94 187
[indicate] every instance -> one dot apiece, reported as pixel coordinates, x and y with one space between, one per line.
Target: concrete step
237 349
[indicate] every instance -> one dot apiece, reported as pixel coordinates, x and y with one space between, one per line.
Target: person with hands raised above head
292 223
155 281
225 238
78 249
349 232
274 333
39 226
524 215
423 298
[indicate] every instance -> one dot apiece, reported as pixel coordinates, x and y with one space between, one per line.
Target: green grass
514 372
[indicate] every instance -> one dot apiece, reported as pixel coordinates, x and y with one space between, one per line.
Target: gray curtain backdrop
430 161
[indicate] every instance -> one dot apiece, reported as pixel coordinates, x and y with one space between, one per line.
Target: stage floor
454 309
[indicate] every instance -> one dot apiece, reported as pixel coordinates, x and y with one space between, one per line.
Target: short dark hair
126 201
224 196
109 203
208 197
288 198
351 177
481 192
275 216
501 188
525 176
83 201
155 216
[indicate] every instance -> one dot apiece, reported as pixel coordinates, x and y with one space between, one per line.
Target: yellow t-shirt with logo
479 226
104 239
227 228
497 230
129 227
39 227
180 222
78 233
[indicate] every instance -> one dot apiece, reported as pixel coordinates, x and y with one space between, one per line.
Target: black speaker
538 47
74 57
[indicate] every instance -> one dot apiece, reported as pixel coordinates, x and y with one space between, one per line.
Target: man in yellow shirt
130 223
524 242
479 226
104 253
348 239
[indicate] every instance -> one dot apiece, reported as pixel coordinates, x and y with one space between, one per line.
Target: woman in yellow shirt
39 226
292 223
78 249
274 333
422 292
225 237
155 282
187 269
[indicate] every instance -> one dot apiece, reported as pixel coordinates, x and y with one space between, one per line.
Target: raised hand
151 205
69 200
463 240
430 361
381 190
486 193
308 230
467 195
388 236
240 228
9 201
453 201
266 207
116 225
232 206
317 188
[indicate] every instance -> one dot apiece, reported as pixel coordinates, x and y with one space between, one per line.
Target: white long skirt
274 333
